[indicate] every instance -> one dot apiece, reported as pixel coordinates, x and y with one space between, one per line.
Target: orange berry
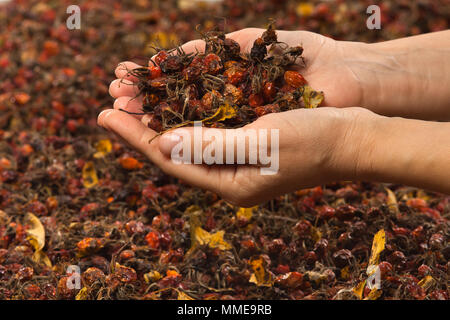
255 100
22 97
152 239
130 163
269 91
294 79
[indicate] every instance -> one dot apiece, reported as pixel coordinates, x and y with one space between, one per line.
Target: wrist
399 150
354 143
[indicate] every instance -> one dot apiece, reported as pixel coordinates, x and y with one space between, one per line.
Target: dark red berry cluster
179 87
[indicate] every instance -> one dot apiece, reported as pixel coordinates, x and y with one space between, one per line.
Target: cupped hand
311 142
313 148
333 67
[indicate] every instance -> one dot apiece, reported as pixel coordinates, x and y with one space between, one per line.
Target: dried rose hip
222 76
294 79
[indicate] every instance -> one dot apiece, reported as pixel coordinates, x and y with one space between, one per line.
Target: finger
244 37
194 46
138 136
123 70
129 104
120 87
218 146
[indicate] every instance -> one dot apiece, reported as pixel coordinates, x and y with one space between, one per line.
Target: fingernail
101 117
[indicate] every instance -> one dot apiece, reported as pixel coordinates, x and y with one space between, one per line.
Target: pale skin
389 82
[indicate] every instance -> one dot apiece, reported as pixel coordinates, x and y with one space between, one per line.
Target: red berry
255 100
424 270
213 63
152 239
155 72
234 75
294 79
161 56
269 91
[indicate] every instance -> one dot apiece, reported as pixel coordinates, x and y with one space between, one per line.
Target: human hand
305 130
329 67
313 149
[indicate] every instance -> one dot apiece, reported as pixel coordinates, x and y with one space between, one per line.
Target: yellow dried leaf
41 258
245 213
423 195
304 9
215 240
316 235
89 175
426 282
312 98
103 147
345 273
359 289
379 241
259 276
152 276
225 111
164 39
36 232
183 296
82 294
392 200
36 237
374 294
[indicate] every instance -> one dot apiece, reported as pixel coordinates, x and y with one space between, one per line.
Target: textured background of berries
128 227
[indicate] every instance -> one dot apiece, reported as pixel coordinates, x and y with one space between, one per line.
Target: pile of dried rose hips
223 87
73 195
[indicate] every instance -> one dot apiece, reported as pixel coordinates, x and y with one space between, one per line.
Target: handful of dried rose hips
223 87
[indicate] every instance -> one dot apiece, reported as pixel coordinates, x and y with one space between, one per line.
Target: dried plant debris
223 87
73 196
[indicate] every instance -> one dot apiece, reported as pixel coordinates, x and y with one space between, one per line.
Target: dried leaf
41 258
152 276
89 175
379 241
225 111
36 237
245 213
374 294
259 276
426 282
345 273
392 200
82 294
316 235
103 147
199 236
359 289
36 232
183 296
164 39
312 98
304 9
422 195
215 240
